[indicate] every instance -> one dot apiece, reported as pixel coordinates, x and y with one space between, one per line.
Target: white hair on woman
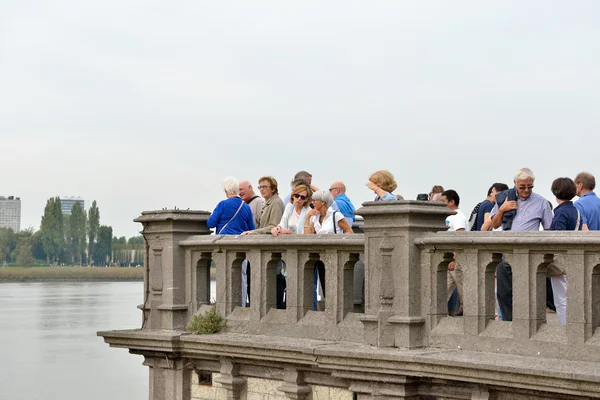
231 185
324 196
524 173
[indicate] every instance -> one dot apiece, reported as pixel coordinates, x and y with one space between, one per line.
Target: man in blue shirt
338 192
588 203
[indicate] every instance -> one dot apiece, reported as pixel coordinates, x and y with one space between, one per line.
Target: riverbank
36 274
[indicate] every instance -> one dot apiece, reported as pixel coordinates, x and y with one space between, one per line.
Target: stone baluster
395 310
167 300
170 379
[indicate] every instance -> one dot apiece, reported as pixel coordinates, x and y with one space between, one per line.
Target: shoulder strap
252 198
578 220
234 215
334 223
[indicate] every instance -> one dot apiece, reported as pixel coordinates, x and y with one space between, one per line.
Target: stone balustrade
382 332
529 253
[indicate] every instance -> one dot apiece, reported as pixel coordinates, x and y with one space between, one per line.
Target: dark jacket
507 217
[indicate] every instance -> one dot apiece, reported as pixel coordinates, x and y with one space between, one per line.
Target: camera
423 196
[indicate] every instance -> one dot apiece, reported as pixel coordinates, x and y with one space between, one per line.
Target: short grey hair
231 185
524 173
324 196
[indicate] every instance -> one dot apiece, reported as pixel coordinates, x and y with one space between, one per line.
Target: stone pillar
169 378
230 379
167 280
394 313
294 387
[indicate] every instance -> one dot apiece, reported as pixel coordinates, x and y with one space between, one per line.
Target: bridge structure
382 332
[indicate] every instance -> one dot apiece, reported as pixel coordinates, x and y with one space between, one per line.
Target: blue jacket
224 212
507 217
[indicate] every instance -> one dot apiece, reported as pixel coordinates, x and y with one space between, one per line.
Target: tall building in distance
67 203
10 213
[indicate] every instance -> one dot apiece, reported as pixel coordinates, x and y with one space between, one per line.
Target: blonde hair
384 179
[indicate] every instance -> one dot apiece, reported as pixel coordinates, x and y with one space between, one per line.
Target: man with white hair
254 201
517 209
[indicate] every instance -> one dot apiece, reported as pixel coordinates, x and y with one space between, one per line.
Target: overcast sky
141 105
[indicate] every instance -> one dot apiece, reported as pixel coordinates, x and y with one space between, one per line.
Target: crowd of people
310 210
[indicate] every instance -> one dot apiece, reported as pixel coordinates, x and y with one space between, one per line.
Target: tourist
566 218
486 206
344 205
517 209
255 202
295 214
324 220
455 223
232 216
436 189
301 178
382 183
588 203
272 210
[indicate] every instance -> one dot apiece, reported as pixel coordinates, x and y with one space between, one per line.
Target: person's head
524 179
301 196
322 197
231 186
337 188
451 198
297 182
384 179
585 182
267 186
434 190
303 175
437 197
246 191
399 197
564 189
495 189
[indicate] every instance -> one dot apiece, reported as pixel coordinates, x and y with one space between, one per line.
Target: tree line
76 239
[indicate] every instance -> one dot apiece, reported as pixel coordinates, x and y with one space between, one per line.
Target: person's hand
276 231
311 213
245 233
372 186
508 206
451 265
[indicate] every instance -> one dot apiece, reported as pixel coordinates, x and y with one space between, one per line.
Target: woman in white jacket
295 213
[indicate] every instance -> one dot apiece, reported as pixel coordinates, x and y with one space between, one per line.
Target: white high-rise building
10 213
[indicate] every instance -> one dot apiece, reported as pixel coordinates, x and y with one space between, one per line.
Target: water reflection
49 345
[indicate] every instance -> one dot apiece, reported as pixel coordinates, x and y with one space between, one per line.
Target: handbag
234 215
554 269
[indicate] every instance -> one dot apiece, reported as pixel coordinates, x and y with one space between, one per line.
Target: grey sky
143 104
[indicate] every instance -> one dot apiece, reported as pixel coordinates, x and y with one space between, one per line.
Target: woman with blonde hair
382 183
295 213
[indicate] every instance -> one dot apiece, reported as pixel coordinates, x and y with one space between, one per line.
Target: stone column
294 387
230 379
394 313
167 280
169 378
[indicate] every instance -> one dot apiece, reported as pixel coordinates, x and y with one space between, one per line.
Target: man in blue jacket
338 191
588 203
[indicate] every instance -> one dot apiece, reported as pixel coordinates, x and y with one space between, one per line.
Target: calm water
48 344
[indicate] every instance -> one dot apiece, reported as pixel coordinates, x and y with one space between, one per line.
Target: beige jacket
270 215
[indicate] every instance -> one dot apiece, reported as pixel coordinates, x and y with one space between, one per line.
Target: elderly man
517 209
344 205
588 203
255 202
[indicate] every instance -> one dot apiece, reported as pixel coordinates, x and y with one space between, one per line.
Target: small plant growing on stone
208 323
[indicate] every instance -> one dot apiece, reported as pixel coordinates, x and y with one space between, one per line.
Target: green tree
8 244
103 249
24 255
37 247
48 229
92 229
76 236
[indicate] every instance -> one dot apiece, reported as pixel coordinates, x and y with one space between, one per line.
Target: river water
48 344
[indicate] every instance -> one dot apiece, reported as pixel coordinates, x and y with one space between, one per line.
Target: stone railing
265 254
529 254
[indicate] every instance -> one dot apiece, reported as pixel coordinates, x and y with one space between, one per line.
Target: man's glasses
264 187
523 187
299 196
332 189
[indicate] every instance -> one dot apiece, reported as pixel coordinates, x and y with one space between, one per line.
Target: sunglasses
523 187
299 196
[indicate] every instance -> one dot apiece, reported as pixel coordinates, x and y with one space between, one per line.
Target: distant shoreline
71 274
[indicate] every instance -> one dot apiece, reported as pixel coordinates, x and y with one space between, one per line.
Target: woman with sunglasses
294 215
